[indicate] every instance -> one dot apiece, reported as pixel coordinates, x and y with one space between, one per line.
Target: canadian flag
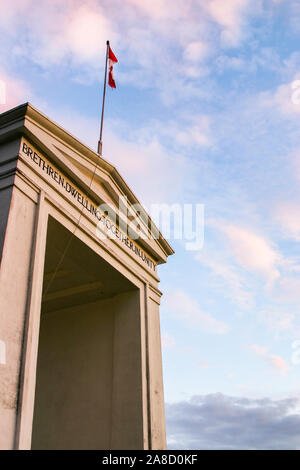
111 61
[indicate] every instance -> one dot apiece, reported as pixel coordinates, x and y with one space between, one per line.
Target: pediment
89 171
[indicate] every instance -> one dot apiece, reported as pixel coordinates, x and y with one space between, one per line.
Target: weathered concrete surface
14 279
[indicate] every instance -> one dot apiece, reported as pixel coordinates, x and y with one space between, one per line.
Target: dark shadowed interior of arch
89 378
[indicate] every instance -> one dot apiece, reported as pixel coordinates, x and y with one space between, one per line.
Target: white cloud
288 216
252 252
56 32
285 98
153 172
198 133
234 285
157 9
231 16
217 421
196 51
146 36
277 321
72 35
236 63
289 289
276 362
85 32
183 306
191 131
17 91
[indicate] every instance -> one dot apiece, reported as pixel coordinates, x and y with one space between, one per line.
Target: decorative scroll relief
105 227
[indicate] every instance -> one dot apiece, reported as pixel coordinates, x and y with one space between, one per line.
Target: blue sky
206 111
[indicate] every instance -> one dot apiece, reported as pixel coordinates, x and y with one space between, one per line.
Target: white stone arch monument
79 318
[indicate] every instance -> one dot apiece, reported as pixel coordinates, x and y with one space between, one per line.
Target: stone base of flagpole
99 147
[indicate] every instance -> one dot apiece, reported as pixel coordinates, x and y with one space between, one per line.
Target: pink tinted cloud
276 362
12 92
277 320
252 251
288 216
55 31
164 171
285 99
230 15
157 9
235 286
187 309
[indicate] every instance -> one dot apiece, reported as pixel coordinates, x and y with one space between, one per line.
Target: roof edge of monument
28 110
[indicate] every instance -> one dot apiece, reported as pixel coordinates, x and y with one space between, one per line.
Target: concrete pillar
18 261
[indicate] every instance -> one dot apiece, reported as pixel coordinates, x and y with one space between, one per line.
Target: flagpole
103 101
